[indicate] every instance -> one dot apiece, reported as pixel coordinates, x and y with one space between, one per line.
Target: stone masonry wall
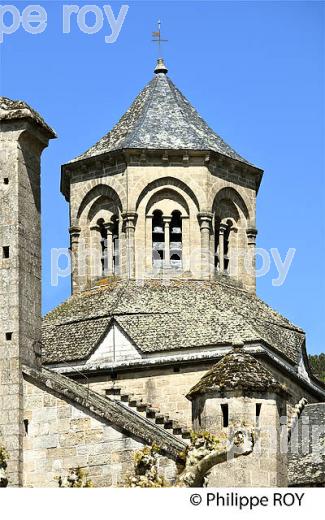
61 436
162 388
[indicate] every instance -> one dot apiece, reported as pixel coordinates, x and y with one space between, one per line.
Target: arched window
115 245
108 232
176 240
158 239
103 245
221 241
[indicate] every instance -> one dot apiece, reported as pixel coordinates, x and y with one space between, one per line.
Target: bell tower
23 136
161 195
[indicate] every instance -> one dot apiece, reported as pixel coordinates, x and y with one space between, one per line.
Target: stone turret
239 392
24 134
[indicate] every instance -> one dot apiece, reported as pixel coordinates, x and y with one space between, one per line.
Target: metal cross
157 37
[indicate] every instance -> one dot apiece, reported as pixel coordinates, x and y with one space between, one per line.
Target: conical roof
237 370
161 118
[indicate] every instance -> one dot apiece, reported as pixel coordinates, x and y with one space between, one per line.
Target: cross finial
157 37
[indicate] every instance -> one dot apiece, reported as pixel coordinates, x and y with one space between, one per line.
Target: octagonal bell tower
161 195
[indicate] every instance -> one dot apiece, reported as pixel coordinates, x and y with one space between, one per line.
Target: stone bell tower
161 195
23 136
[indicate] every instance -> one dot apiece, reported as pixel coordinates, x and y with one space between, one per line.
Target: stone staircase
150 412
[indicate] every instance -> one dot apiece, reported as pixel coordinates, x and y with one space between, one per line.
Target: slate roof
306 455
161 118
237 371
157 317
13 110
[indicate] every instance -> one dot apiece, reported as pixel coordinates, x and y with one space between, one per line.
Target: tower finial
161 67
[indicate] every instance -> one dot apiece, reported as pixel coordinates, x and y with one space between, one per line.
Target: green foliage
317 363
77 478
146 472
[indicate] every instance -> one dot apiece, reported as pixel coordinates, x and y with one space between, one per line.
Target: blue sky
255 72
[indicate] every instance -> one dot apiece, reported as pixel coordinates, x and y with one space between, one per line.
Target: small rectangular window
8 336
225 415
6 180
5 252
258 413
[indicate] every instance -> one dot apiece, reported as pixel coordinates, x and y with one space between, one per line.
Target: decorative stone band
105 408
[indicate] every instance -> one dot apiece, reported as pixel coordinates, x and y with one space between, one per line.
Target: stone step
160 418
149 411
168 423
125 397
133 401
114 391
186 433
141 406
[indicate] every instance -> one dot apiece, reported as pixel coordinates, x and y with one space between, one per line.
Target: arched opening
222 251
103 246
108 239
176 245
115 245
158 239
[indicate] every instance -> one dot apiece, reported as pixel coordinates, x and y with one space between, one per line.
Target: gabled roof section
156 317
238 370
161 118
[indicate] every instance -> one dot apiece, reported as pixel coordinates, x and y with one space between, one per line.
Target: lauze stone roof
161 118
162 318
11 110
237 371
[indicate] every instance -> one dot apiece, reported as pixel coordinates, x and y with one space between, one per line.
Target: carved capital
251 235
205 219
74 233
129 219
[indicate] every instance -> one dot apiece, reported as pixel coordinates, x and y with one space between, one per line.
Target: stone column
222 231
205 220
167 220
109 249
74 243
129 219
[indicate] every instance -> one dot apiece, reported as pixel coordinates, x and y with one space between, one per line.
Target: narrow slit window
225 415
5 252
6 180
8 336
26 424
258 413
